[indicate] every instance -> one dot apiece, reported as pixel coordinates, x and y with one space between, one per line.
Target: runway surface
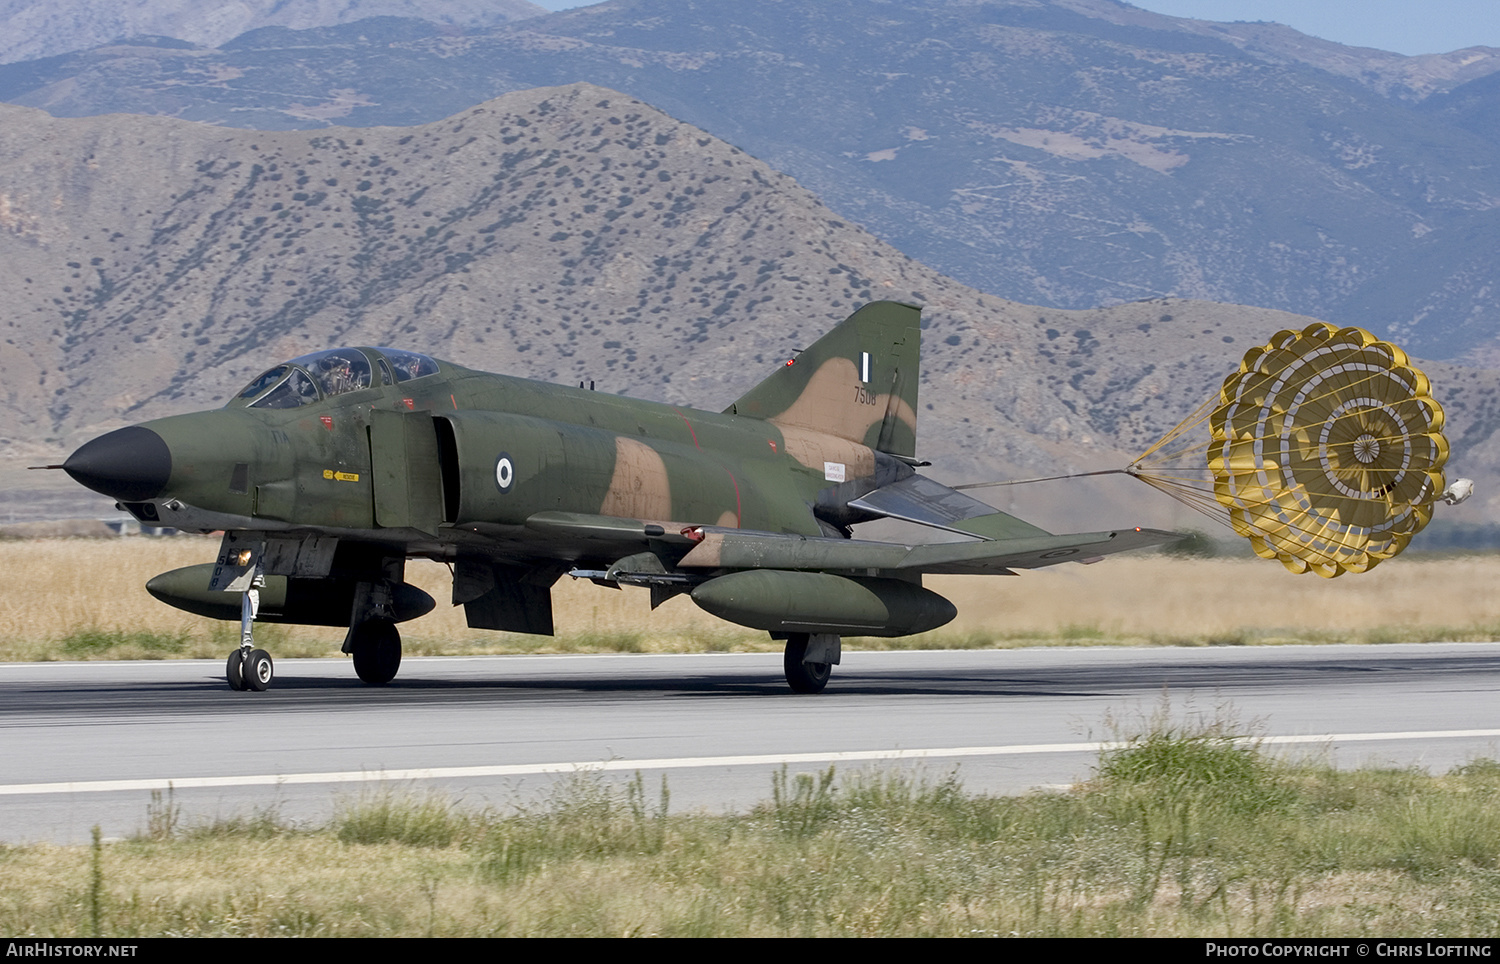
85 743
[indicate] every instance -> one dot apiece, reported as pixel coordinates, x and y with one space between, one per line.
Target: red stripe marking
690 429
739 518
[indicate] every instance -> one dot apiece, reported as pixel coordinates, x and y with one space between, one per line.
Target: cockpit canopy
337 371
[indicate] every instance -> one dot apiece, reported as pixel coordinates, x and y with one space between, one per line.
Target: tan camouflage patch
835 401
728 520
706 554
639 488
815 449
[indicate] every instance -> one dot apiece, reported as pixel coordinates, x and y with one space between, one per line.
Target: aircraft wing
738 549
1014 545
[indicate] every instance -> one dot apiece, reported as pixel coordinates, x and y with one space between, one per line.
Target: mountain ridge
1035 150
568 234
32 29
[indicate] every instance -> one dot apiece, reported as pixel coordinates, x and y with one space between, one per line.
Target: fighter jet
327 472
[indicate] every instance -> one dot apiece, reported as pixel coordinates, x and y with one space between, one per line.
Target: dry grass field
1181 833
84 599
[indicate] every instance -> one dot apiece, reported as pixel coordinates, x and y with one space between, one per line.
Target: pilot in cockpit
325 374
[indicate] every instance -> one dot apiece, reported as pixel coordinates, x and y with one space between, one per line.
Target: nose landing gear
249 668
234 670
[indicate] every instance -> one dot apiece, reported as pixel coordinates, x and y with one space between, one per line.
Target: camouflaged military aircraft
327 472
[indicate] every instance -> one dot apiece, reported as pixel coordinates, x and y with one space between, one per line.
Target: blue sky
1405 26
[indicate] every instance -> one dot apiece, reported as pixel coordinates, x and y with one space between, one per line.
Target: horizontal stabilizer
924 501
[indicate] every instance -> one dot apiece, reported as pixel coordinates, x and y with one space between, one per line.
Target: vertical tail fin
858 382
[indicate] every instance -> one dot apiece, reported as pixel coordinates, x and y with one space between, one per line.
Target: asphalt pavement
88 743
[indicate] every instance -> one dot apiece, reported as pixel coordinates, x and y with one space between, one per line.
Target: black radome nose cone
131 464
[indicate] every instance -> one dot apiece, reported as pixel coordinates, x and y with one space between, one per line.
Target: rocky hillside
1061 152
154 266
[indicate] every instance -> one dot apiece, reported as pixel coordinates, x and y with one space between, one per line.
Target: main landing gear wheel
800 676
234 671
258 671
377 651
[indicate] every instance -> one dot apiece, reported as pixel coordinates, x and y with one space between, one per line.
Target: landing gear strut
376 647
373 639
249 668
809 661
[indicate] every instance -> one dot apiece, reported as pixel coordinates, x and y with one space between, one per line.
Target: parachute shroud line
1325 449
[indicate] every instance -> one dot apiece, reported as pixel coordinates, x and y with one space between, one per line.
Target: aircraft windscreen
296 390
263 382
409 364
338 370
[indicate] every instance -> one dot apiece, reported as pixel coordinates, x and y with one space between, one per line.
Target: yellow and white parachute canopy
1325 448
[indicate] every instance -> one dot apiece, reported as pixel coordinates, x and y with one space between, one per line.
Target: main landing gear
809 660
373 639
376 647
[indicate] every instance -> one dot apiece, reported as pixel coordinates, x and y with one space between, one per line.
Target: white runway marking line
672 763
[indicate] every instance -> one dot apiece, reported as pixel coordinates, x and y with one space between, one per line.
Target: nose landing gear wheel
234 671
803 677
377 651
259 670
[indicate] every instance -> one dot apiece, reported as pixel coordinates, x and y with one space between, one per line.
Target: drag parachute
1325 450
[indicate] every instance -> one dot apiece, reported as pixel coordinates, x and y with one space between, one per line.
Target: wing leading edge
738 549
718 548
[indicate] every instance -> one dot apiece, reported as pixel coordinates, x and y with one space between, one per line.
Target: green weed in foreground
96 643
1184 830
428 820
